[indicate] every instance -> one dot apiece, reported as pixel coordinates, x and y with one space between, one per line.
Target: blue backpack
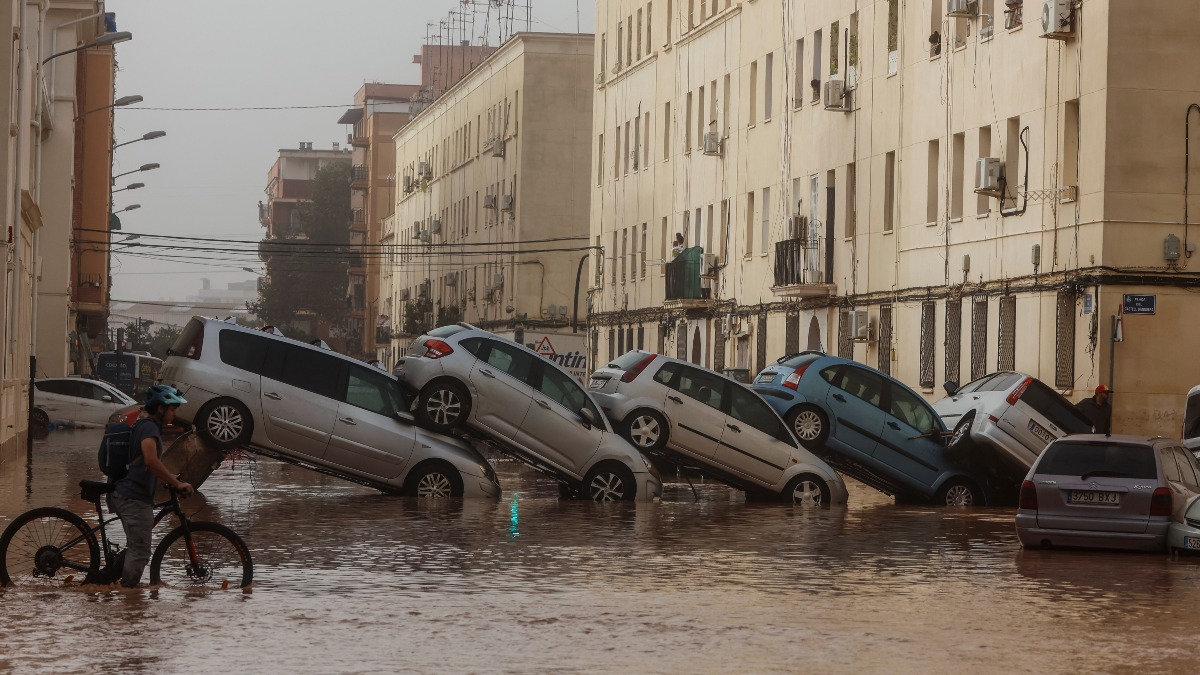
116 450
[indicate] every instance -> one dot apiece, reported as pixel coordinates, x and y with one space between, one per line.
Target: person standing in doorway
1098 410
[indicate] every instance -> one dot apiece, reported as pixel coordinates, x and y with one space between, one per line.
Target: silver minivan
287 399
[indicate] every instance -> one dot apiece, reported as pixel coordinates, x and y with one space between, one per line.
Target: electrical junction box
1171 247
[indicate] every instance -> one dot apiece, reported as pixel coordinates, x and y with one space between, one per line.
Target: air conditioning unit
435 226
451 279
987 24
987 176
498 282
726 325
710 264
408 184
798 227
424 171
962 7
836 96
506 202
1057 18
489 201
633 159
712 143
860 325
498 148
404 295
418 232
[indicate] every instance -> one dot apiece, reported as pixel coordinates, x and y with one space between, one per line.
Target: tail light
1016 393
436 349
1028 498
637 368
793 381
1160 502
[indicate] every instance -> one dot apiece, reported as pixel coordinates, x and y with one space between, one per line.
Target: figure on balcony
678 247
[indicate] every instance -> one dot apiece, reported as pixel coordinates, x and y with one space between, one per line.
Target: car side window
1186 471
242 350
668 374
1169 467
97 393
911 409
373 391
561 389
706 388
746 406
1055 408
862 384
304 368
975 385
832 375
77 388
511 359
52 387
474 345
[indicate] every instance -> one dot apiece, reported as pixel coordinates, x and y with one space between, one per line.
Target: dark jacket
1099 415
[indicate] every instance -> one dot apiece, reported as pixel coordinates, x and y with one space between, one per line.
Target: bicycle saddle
90 490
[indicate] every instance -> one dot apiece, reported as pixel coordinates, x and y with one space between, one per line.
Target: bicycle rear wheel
47 547
221 559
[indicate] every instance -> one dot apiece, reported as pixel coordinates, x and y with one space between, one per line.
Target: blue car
869 426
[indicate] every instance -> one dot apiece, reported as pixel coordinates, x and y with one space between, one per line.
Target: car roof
475 331
1118 439
225 325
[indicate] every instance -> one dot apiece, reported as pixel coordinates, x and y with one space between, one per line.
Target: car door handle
734 427
675 399
894 426
347 420
839 397
543 404
486 372
272 395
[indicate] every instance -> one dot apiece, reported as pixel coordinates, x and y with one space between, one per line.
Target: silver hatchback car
309 406
528 406
678 410
1105 492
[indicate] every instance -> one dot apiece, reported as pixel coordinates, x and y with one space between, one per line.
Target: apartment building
490 222
939 188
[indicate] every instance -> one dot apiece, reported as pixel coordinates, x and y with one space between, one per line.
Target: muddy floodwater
348 580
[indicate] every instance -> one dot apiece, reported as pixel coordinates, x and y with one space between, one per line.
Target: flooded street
350 580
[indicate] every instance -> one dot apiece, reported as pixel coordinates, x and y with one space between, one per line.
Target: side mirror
951 386
106 398
589 418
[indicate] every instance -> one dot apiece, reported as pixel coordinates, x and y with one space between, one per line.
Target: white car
528 406
1014 413
77 400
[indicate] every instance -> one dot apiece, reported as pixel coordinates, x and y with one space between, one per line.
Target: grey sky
251 53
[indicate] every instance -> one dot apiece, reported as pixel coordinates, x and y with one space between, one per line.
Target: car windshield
800 360
1098 459
627 360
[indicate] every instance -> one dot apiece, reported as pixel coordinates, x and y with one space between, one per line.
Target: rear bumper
1153 539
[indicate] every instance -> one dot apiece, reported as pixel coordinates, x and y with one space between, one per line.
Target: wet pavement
351 580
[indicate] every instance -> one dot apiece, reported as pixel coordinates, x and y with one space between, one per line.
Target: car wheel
959 492
960 444
224 423
443 406
810 425
609 482
807 490
436 480
39 419
646 430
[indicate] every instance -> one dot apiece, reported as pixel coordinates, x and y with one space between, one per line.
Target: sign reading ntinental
1139 304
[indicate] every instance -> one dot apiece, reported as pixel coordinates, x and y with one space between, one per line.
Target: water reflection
348 579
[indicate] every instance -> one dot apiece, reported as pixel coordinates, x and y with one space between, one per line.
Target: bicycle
50 546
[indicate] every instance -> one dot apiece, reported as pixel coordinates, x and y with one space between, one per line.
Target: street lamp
144 167
131 186
131 207
102 41
123 101
148 136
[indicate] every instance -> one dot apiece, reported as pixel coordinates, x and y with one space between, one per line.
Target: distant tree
162 339
416 316
306 270
449 314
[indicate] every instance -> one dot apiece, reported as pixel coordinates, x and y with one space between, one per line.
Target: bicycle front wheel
47 547
217 558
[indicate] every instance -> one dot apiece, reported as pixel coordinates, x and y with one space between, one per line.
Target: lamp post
102 41
148 136
144 167
123 101
131 186
131 207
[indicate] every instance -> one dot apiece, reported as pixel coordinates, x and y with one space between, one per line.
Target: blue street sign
1139 304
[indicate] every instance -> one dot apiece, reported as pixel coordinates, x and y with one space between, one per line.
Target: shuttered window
928 342
979 310
1007 347
1064 341
845 339
791 334
761 356
885 339
953 340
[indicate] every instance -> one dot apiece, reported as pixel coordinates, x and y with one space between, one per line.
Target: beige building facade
491 213
826 156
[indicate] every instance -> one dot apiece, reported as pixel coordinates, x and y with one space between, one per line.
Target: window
723 234
1050 404
835 34
766 220
845 339
473 345
851 205
931 183
1070 162
768 86
885 339
979 310
1007 344
304 368
666 130
1187 468
243 350
982 202
667 23
798 85
861 384
1012 156
628 150
1079 459
852 52
663 241
953 339
638 53
725 108
614 256
957 174
700 119
649 28
603 55
707 388
815 82
749 223
893 36
753 93
624 253
911 409
889 191
687 122
374 392
560 388
935 27
637 137
928 340
511 359
645 243
644 151
746 406
620 42
1064 341
600 159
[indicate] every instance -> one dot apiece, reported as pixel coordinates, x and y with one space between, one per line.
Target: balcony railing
683 276
358 175
358 218
801 265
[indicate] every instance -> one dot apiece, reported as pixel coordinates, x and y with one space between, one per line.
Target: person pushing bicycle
133 498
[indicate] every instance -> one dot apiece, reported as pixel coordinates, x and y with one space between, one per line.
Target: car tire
443 406
224 423
807 489
609 482
960 444
434 480
646 429
810 425
39 419
959 492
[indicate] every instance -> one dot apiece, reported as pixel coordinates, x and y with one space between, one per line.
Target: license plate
1040 431
595 384
1095 497
1191 543
764 377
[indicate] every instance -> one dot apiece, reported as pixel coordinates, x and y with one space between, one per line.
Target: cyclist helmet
164 394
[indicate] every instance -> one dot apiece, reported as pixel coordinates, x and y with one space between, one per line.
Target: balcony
360 141
686 289
264 215
802 269
359 177
358 219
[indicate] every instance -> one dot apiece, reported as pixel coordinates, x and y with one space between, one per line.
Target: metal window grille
719 351
928 341
979 310
612 345
845 340
791 334
885 339
595 348
681 338
662 339
1007 347
620 341
760 358
628 339
1064 341
641 341
953 343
